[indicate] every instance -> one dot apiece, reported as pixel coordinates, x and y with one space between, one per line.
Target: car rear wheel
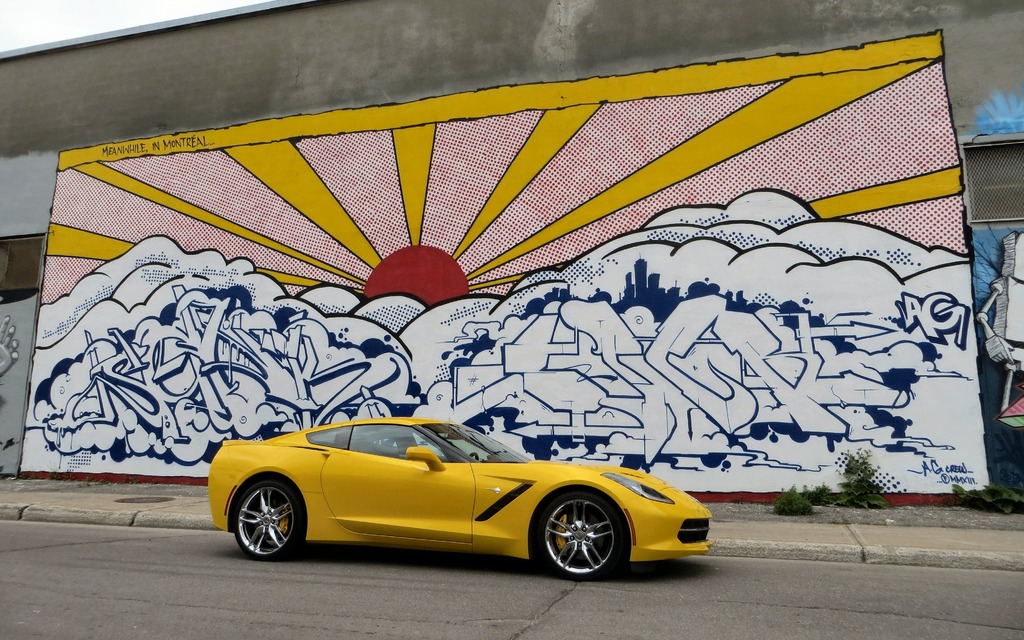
270 521
580 536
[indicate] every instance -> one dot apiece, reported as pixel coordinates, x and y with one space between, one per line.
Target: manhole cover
144 499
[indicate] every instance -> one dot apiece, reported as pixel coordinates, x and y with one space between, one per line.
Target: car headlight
639 488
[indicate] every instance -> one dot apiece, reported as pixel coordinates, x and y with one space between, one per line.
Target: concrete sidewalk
964 547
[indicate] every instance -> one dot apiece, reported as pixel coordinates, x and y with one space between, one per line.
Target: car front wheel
580 536
270 521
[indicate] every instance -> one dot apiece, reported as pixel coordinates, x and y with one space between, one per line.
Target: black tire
270 520
581 536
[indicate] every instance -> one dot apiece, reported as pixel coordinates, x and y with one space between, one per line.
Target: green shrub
859 488
994 497
819 496
792 503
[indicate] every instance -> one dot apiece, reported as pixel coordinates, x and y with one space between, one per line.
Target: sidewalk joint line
860 541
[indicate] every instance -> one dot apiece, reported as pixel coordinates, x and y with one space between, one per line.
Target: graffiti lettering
950 474
1010 478
938 316
203 374
128 148
178 143
184 142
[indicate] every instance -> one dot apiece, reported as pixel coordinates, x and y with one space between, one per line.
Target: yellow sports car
424 484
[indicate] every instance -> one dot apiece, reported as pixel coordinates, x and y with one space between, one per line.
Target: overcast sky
27 23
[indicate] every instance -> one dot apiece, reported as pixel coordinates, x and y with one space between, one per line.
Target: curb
72 515
788 551
944 558
162 520
734 548
855 554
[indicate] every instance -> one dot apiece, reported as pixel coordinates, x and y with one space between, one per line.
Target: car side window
334 438
389 440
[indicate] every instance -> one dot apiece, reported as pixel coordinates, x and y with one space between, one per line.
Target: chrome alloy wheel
580 537
265 520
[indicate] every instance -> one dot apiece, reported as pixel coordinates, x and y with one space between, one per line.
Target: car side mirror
423 454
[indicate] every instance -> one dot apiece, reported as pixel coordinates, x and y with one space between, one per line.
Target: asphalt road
83 581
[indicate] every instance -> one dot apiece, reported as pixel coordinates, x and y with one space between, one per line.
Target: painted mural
1001 113
730 275
17 319
998 274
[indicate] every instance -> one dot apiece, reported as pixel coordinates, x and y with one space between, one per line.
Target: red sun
429 274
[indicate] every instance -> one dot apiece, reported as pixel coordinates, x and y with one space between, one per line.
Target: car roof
391 420
286 437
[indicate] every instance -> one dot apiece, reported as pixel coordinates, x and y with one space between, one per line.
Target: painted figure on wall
999 265
17 313
707 272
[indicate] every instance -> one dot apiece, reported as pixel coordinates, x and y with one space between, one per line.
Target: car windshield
478 447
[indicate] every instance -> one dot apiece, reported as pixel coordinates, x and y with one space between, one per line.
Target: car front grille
693 530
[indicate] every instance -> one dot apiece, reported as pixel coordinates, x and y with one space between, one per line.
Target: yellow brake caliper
560 542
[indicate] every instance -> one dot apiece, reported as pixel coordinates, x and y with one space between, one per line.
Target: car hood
558 472
593 470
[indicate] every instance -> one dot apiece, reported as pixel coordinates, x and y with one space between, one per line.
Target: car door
372 489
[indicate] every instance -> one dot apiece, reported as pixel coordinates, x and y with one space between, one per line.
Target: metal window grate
995 181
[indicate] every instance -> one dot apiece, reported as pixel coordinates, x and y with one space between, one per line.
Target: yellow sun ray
693 79
281 167
931 186
147 192
789 106
495 283
552 132
76 243
413 148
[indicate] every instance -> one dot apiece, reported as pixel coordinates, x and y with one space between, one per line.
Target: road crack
561 596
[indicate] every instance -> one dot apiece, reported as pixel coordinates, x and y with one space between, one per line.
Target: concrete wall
741 295
365 52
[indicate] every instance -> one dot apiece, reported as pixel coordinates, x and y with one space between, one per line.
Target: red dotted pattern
935 223
470 157
619 139
573 244
899 132
61 274
214 182
497 290
85 203
361 171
